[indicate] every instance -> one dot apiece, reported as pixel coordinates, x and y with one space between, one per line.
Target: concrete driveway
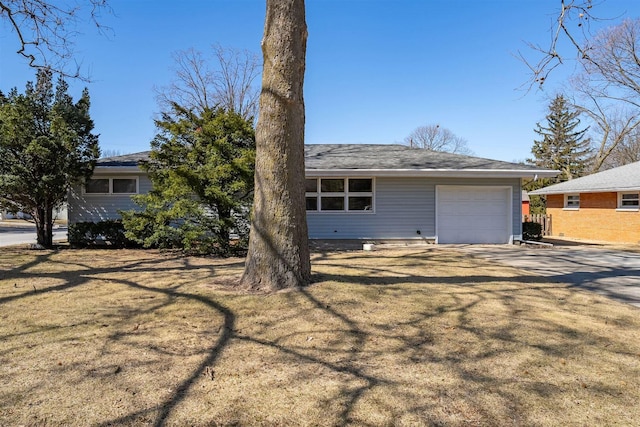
612 273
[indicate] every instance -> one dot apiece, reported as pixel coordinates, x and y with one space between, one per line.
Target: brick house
603 206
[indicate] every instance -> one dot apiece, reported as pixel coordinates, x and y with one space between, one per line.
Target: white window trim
111 193
566 202
319 194
628 208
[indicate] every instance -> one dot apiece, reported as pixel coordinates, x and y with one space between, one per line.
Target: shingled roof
380 159
122 161
401 160
623 178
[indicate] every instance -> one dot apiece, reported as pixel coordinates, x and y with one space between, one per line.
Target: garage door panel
473 215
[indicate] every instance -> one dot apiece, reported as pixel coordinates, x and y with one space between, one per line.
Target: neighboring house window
572 201
111 186
339 194
628 200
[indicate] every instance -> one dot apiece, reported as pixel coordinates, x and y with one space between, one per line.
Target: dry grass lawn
422 336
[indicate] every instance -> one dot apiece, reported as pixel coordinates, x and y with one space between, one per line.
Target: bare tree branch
227 80
46 30
436 138
573 25
608 89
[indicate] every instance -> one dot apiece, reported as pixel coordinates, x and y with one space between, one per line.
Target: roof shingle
623 178
376 157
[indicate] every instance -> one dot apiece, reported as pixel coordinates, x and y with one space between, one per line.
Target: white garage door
473 214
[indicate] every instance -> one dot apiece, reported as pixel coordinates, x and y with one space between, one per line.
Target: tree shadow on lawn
81 273
405 336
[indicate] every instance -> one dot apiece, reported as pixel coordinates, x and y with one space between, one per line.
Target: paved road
615 274
25 234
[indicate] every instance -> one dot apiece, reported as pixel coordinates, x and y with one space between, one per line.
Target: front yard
421 336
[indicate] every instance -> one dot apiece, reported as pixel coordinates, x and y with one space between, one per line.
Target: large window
628 201
572 201
123 185
339 194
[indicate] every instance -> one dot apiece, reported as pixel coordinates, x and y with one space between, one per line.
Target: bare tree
225 79
278 255
608 88
109 153
46 30
627 150
436 138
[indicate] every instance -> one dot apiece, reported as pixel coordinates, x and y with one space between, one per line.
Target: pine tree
46 145
562 147
202 170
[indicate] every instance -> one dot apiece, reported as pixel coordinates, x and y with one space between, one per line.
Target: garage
470 214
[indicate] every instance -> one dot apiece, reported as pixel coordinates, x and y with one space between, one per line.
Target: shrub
531 231
104 233
197 232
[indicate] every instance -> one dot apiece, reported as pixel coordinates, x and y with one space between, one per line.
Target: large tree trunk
278 254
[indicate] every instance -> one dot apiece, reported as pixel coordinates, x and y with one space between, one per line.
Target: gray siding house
365 192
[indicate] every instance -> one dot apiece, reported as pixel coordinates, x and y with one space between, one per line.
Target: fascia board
107 170
541 192
440 173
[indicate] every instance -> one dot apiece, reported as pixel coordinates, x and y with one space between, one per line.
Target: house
603 206
365 192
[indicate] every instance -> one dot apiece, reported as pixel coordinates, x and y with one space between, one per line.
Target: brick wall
597 219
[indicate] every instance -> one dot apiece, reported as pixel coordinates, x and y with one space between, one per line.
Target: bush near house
104 233
531 231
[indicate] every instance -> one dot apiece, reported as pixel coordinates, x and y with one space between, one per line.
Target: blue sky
376 69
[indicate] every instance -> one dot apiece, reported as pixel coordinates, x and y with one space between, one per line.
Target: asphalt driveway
613 273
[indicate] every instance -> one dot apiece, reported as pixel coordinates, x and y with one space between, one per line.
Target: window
125 186
572 201
111 186
97 186
628 200
339 194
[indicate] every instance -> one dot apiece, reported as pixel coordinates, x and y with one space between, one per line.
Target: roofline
464 173
117 169
460 173
541 192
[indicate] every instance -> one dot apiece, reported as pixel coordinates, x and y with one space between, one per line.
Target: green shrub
531 231
195 232
104 233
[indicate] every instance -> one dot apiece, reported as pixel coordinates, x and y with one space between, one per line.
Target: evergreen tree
563 147
46 145
202 168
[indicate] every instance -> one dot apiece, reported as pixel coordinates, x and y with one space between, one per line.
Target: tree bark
44 225
278 255
41 236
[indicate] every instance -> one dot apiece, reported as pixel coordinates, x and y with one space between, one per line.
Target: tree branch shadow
416 335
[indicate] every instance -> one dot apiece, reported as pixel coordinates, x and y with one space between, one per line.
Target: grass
422 336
